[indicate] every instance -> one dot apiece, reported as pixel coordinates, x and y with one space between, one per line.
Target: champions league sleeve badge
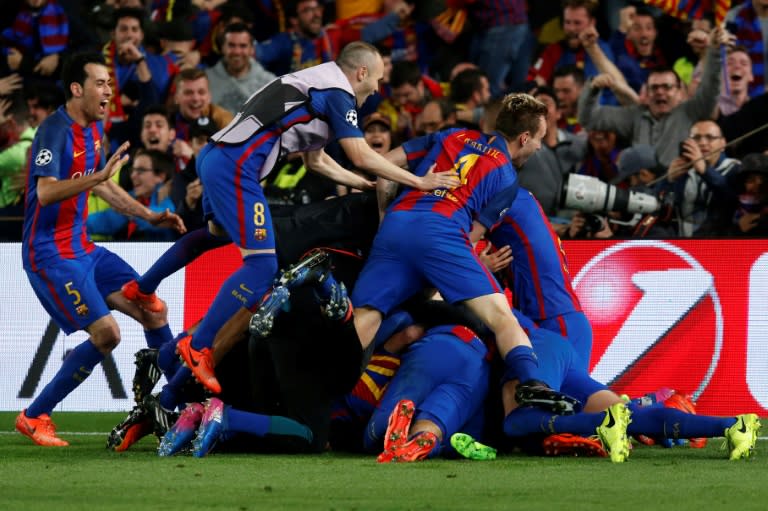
351 117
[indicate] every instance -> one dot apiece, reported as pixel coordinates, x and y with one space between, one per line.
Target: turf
87 476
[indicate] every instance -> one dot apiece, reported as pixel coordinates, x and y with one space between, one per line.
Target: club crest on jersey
351 117
82 310
260 234
44 157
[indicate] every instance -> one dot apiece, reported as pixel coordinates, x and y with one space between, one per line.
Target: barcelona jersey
541 282
488 180
64 150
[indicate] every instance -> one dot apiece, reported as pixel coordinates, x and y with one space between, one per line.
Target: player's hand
168 220
497 260
115 163
10 83
47 64
433 180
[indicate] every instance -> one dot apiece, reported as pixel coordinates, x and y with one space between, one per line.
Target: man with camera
666 119
699 175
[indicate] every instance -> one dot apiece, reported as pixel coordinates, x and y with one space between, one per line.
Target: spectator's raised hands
720 36
10 83
588 37
603 81
47 64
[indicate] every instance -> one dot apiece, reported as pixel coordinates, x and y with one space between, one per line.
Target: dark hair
129 12
48 96
236 28
236 9
569 70
545 90
158 109
292 7
447 107
162 162
404 72
465 84
73 70
519 113
18 108
189 75
641 10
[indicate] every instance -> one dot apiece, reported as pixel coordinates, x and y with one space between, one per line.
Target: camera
591 195
593 223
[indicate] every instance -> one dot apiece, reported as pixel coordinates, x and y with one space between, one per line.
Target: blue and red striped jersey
540 281
64 150
482 163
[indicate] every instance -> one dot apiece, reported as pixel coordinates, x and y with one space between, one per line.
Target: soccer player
426 239
605 413
538 273
76 281
298 112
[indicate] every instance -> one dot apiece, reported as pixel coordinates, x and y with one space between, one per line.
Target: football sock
167 359
262 425
171 395
370 387
186 249
75 369
158 337
529 420
244 288
521 364
658 422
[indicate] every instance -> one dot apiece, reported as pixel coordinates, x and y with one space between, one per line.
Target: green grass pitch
85 476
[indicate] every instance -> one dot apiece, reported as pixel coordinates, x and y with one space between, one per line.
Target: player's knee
106 337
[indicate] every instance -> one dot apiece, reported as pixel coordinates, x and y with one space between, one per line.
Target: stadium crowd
579 95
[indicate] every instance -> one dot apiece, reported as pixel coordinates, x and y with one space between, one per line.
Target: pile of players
386 370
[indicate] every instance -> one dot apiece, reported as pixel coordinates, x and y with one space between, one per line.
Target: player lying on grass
604 412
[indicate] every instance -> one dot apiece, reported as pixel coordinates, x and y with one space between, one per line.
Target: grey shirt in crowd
635 123
230 92
545 170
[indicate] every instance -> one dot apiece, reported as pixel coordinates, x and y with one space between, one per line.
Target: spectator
16 129
470 92
665 121
411 90
578 16
42 100
237 75
634 46
740 76
37 38
136 76
602 155
747 25
305 45
560 154
193 106
150 174
502 42
688 67
156 130
568 82
699 176
437 114
177 43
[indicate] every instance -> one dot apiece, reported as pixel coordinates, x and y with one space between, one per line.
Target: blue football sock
521 364
167 359
262 425
171 395
244 288
159 336
186 249
75 369
658 422
529 420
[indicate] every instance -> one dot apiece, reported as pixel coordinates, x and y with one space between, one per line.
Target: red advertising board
687 314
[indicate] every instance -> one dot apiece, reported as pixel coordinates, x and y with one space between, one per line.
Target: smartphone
681 148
